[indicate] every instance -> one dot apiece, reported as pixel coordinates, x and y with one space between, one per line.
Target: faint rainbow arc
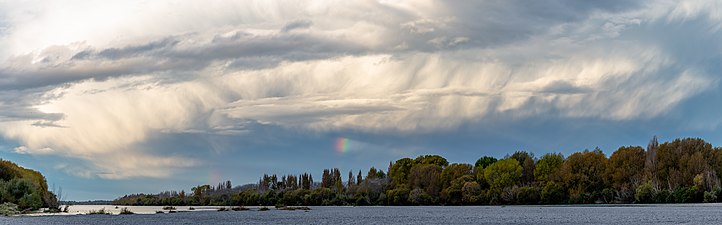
342 145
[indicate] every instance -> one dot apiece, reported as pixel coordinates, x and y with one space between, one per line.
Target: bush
709 197
553 193
101 211
663 196
419 197
527 195
398 196
687 195
7 209
645 193
30 201
125 211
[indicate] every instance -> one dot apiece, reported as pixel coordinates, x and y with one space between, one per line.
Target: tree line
680 171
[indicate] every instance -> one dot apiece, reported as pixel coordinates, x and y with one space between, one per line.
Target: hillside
25 187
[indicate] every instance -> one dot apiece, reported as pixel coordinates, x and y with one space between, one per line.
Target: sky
107 98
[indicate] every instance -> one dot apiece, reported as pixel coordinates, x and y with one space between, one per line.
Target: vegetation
9 209
25 188
680 171
99 212
125 211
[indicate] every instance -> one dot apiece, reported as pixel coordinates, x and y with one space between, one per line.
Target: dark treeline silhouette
680 171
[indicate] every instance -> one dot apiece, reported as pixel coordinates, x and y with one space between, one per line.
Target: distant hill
25 187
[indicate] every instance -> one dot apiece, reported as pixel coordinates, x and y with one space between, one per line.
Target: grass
101 212
125 211
264 209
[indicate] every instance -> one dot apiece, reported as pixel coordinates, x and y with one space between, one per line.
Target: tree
350 179
470 193
682 159
359 178
503 173
432 159
399 172
548 166
426 177
626 168
584 174
526 161
484 161
650 162
453 172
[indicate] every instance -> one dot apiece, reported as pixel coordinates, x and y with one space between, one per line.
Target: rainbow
342 144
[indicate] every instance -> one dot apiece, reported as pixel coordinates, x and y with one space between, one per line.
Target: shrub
686 195
527 195
101 211
553 193
125 211
7 209
645 193
709 197
30 201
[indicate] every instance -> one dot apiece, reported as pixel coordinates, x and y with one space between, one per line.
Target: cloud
111 84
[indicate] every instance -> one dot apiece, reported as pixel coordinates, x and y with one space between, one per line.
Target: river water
585 214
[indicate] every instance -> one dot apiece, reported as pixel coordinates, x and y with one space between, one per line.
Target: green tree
548 166
453 172
432 159
484 161
399 172
526 161
503 173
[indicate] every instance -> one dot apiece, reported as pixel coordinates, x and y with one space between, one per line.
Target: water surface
595 214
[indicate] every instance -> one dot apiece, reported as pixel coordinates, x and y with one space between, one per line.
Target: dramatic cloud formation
107 83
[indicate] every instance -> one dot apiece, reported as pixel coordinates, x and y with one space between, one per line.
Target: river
578 214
